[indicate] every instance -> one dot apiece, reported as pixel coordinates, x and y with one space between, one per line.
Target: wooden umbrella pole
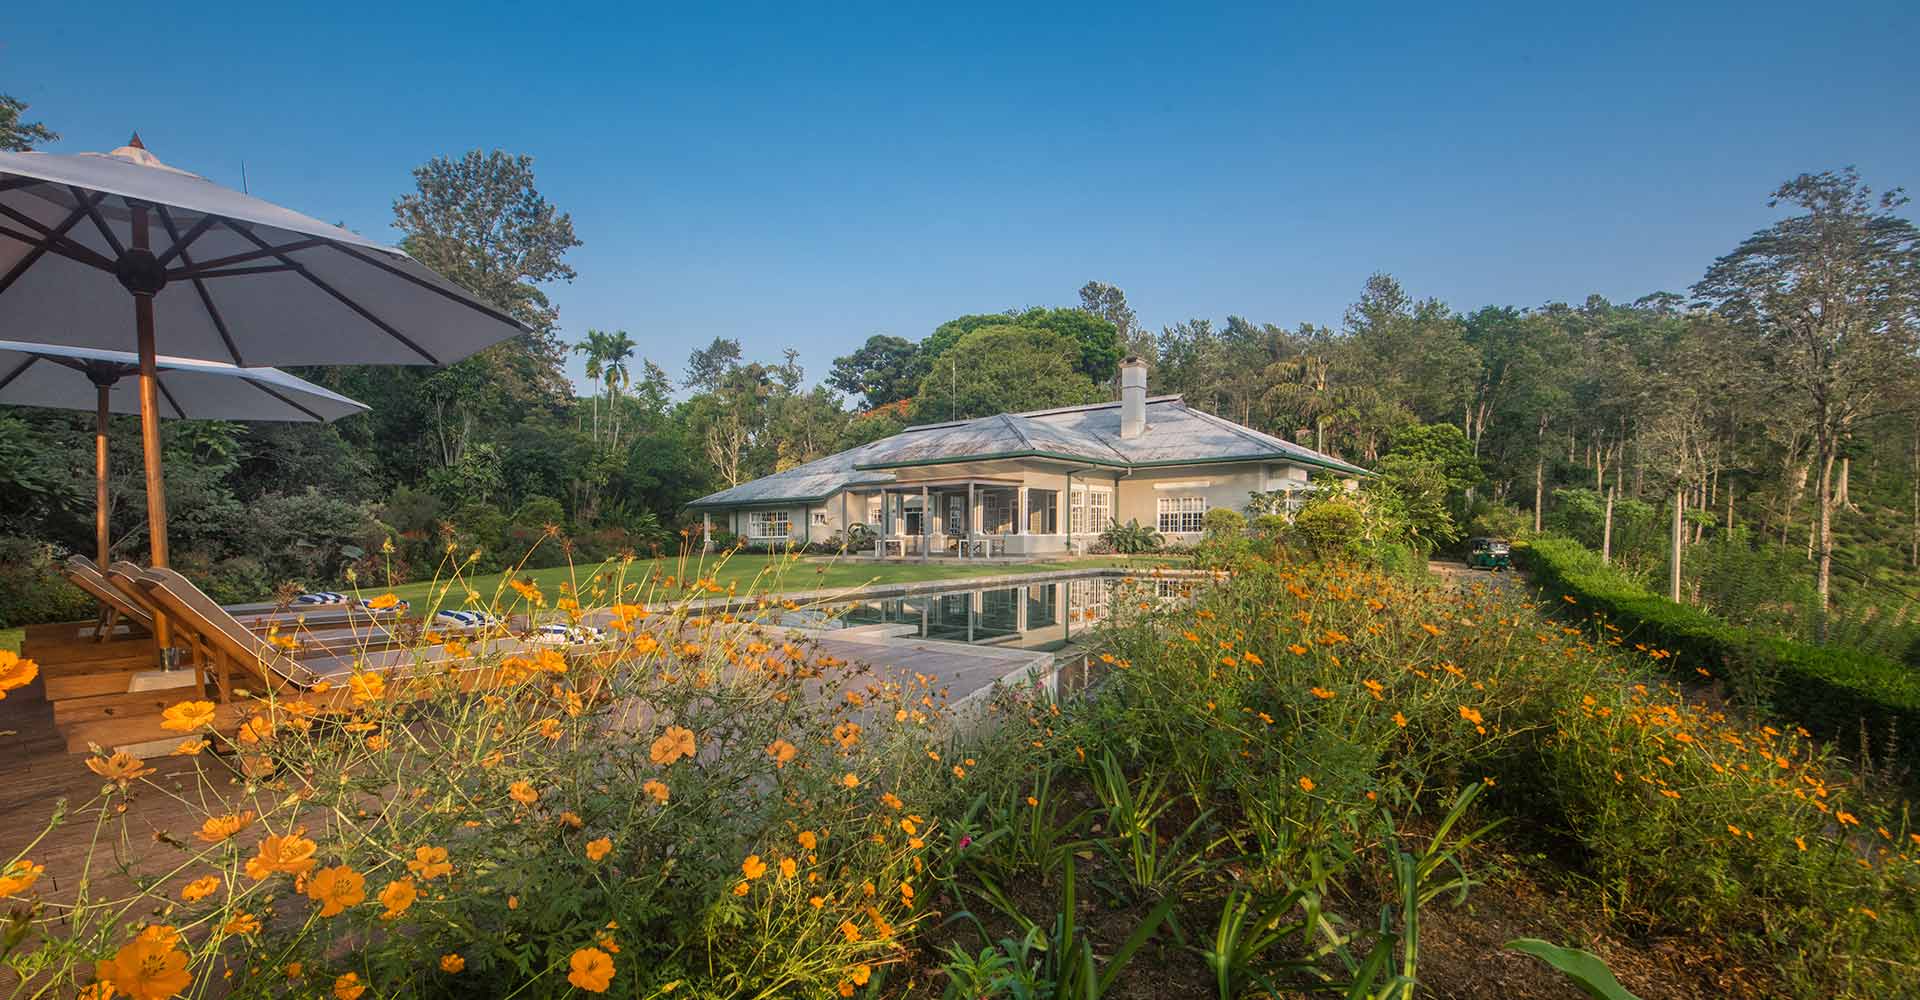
145 282
102 539
149 403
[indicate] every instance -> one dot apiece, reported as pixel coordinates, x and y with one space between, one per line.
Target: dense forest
1771 405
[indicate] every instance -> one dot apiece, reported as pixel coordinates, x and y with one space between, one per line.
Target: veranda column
706 531
926 517
971 517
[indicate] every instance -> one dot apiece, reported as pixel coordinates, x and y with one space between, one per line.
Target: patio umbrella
213 275
72 378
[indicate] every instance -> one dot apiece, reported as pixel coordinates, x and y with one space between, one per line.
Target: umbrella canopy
234 278
71 378
213 274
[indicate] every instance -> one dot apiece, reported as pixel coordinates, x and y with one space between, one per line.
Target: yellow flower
187 716
675 743
807 840
429 863
851 780
292 854
590 969
657 789
397 896
860 975
120 768
597 849
337 888
348 986
788 868
384 601
243 923
188 748
15 672
753 867
452 962
1399 720
200 888
1306 783
367 688
19 876
1471 715
149 967
258 729
523 793
849 931
218 828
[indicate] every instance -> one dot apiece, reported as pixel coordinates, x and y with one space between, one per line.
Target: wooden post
102 537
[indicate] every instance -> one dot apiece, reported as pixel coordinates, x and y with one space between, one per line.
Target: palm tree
616 350
595 348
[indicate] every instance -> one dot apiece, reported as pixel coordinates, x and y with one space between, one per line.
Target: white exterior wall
1223 485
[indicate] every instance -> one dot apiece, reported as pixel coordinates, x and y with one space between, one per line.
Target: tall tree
1002 369
883 370
1097 298
18 135
1834 295
709 366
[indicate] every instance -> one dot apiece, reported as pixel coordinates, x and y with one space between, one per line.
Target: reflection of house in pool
1041 615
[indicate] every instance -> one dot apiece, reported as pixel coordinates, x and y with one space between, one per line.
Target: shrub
1130 538
32 590
1329 525
1224 522
1835 692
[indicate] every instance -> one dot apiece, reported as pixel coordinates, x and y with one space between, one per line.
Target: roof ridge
1018 431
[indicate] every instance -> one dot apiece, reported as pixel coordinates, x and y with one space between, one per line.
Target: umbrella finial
135 141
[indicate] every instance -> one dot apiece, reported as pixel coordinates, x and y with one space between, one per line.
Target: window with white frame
1183 514
996 514
769 524
1092 511
820 518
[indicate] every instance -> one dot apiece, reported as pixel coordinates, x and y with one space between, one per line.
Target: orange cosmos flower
291 854
590 969
337 888
120 768
657 789
807 840
397 896
243 924
188 748
523 793
187 716
348 987
597 849
788 868
150 967
851 780
19 876
367 688
218 828
429 863
1306 783
384 601
200 888
452 962
753 867
675 743
15 672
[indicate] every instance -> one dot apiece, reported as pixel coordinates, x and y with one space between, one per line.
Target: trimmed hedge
1831 690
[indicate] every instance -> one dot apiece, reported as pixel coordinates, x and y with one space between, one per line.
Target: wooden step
113 706
130 729
77 632
65 657
61 687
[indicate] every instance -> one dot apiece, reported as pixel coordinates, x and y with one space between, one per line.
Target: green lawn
776 573
10 638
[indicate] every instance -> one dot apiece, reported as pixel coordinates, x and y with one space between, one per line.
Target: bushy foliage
1130 538
31 587
1834 691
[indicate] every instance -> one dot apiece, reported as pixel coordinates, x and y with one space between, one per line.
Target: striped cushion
321 597
564 634
466 619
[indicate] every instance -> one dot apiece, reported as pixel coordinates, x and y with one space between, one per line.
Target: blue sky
809 178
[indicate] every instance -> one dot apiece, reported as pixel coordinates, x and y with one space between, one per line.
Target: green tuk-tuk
1489 554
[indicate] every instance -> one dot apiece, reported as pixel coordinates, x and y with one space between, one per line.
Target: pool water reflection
1040 616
